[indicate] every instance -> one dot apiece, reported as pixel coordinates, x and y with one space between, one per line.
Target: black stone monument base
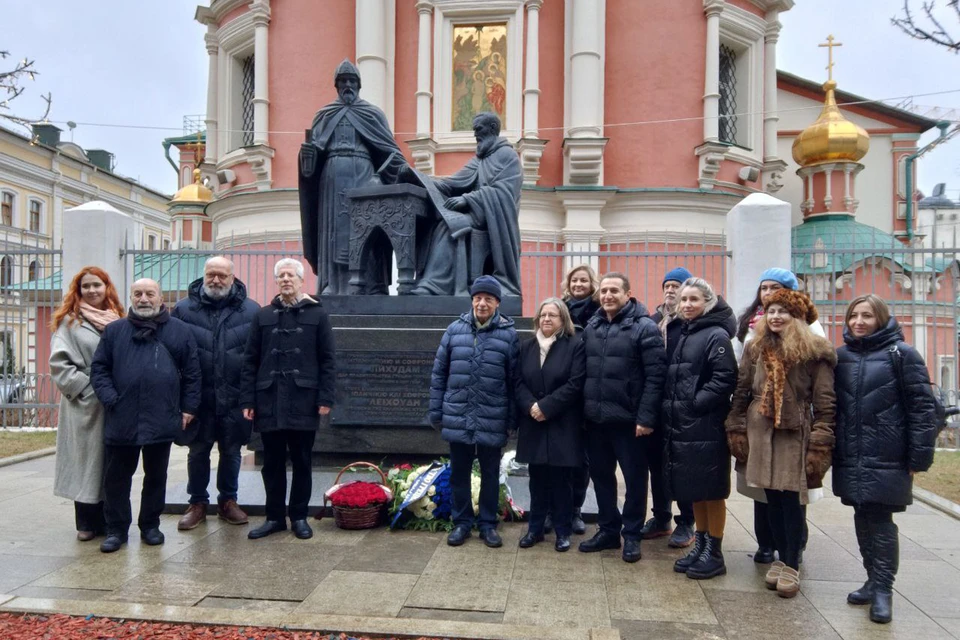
383 384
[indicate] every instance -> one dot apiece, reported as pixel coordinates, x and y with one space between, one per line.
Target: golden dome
832 138
195 192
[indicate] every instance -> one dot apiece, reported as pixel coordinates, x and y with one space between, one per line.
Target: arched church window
728 94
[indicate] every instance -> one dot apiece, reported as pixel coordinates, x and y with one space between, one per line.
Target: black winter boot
886 561
864 594
699 540
710 563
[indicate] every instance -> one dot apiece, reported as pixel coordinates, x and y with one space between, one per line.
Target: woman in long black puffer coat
701 378
886 432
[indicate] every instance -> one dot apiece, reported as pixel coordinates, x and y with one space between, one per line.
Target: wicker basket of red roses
359 504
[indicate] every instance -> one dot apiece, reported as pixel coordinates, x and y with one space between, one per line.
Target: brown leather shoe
196 513
232 513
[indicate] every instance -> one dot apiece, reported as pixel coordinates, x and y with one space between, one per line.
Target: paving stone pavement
413 580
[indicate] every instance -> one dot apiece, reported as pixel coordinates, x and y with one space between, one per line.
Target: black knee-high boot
886 561
864 594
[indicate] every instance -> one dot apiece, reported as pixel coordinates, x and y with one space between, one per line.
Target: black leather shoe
112 543
268 527
881 607
301 529
710 564
548 524
577 524
491 538
863 595
562 544
631 550
764 555
684 563
152 537
601 540
458 536
529 539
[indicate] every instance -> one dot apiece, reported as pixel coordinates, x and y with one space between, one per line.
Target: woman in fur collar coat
782 419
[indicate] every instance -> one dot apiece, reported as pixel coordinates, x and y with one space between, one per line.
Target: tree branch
11 88
938 34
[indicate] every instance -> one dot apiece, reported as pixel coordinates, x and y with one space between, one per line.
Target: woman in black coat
549 384
701 378
886 431
581 294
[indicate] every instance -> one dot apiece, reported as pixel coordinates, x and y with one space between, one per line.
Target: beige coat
777 457
79 467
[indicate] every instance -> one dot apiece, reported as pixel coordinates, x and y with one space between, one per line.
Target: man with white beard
218 314
146 374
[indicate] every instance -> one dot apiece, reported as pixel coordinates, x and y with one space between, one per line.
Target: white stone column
758 237
212 120
114 230
424 57
770 116
586 68
711 90
371 44
531 89
261 91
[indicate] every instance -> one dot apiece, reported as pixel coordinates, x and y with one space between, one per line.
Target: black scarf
581 310
147 327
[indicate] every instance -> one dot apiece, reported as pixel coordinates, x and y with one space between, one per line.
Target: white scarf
545 344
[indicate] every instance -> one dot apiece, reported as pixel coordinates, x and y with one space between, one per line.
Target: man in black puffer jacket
147 376
626 366
219 314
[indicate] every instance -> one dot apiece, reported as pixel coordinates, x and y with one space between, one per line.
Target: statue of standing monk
349 145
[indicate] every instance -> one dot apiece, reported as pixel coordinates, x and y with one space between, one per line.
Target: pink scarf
99 318
757 316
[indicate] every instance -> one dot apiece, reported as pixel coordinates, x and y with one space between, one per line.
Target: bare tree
11 86
934 31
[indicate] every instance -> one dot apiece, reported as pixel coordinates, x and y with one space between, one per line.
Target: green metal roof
174 272
833 244
187 139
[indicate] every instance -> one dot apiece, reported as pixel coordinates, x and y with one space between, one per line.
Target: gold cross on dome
195 147
830 44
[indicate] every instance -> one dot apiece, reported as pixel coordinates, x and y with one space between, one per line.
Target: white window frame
43 210
151 238
447 15
744 33
13 206
37 275
236 44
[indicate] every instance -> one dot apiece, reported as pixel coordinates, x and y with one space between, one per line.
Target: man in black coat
626 366
219 315
147 375
287 387
671 325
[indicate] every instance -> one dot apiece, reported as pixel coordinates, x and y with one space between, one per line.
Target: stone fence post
758 237
94 234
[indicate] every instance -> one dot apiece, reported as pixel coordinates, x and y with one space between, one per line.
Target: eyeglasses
551 316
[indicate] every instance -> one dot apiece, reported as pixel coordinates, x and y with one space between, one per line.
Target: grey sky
144 64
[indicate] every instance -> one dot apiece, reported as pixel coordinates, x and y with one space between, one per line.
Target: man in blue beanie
671 326
471 402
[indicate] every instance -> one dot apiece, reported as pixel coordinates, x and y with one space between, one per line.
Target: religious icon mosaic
479 72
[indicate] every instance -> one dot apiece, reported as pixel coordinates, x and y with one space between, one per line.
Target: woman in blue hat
771 280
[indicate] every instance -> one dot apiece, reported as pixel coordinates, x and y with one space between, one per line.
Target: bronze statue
348 145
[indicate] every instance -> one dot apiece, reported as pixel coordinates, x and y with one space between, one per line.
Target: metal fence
921 284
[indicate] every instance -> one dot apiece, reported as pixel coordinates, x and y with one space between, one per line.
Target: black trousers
653 445
89 517
120 463
580 480
276 446
761 526
551 491
786 521
461 474
879 540
609 445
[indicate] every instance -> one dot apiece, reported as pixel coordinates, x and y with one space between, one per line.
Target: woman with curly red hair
89 305
782 419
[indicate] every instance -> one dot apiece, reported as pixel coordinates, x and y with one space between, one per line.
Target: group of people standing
671 397
209 371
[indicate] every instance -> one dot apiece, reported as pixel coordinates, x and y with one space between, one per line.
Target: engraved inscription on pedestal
382 388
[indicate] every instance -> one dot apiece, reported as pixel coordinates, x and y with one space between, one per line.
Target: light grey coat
79 467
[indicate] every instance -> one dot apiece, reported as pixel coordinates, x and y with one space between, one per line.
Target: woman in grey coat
90 304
